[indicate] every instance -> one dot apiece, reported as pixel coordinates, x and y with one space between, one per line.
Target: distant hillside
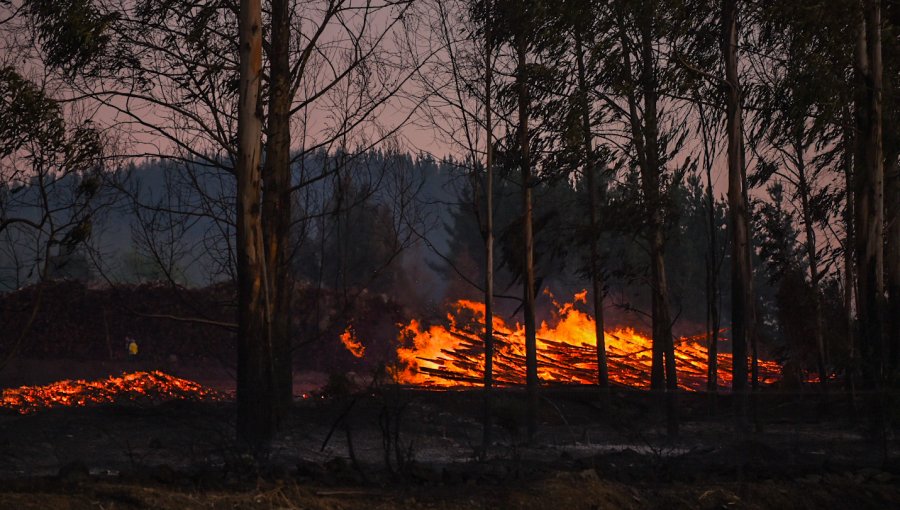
163 219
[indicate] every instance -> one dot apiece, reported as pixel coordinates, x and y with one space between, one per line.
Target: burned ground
392 447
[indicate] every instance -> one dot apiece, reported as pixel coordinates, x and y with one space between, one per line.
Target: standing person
131 348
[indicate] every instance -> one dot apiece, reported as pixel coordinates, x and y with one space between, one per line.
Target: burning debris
454 355
152 386
348 338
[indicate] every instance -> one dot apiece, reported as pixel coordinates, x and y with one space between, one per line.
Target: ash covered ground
351 445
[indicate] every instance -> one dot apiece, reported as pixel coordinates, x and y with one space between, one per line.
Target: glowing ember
454 355
348 338
153 386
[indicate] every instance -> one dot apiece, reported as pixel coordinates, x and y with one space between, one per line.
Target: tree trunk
849 264
712 276
531 372
869 196
743 316
590 171
663 375
255 398
488 238
712 295
813 259
645 139
662 322
892 209
892 235
276 211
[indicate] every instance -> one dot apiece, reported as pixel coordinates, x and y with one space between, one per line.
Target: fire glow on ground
150 387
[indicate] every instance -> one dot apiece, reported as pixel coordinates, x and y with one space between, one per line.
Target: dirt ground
581 490
349 445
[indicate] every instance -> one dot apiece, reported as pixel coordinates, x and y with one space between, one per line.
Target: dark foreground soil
389 447
581 490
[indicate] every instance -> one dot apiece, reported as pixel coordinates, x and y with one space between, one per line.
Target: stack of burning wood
453 355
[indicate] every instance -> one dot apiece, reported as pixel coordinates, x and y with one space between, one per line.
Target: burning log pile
454 355
150 387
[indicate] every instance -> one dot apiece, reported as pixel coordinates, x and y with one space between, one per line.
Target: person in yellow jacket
131 347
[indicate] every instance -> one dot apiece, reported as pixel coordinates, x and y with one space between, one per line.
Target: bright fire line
453 355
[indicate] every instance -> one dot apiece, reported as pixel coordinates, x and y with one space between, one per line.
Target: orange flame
348 338
154 386
453 355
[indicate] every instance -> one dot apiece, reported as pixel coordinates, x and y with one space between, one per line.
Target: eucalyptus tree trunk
869 195
531 373
255 397
488 237
892 197
645 138
712 304
276 206
652 183
657 376
663 376
849 158
743 316
590 172
812 257
644 134
712 274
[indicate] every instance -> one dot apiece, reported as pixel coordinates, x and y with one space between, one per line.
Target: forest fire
152 386
453 356
348 338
